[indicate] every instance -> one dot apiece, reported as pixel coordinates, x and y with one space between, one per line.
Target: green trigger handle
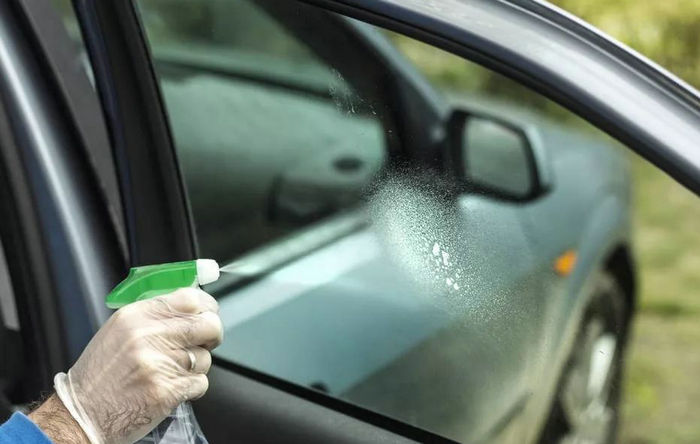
154 280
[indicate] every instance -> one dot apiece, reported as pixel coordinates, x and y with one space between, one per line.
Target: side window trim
155 205
73 80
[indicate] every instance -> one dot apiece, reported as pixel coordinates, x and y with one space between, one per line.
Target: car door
161 166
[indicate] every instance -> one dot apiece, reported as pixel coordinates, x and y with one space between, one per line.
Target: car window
269 133
405 285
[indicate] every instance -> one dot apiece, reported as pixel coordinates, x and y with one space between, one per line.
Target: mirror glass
496 157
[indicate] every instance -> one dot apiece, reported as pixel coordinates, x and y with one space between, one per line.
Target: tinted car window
362 260
271 136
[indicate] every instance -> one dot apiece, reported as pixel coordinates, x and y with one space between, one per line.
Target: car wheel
586 408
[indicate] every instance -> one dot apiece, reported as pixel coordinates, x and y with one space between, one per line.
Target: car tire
586 406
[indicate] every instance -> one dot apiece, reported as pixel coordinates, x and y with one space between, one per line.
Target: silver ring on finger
193 360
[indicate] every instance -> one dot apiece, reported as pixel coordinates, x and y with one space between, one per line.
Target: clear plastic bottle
180 427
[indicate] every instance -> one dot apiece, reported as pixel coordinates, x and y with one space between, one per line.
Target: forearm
56 422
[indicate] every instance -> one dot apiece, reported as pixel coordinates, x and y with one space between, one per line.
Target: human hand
149 357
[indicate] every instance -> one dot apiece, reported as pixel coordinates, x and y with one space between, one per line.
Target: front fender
607 228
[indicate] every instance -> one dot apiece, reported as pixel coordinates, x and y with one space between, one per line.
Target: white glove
149 357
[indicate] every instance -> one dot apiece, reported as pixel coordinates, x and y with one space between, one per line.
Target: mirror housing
497 158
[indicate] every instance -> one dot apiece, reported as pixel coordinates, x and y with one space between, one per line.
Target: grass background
661 396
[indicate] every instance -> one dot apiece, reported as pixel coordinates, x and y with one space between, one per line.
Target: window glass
366 257
270 133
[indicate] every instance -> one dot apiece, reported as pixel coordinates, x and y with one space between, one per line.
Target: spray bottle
146 282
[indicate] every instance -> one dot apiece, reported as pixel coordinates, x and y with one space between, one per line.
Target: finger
204 330
197 387
186 300
202 359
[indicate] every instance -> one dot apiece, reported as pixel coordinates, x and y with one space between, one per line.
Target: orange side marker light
565 263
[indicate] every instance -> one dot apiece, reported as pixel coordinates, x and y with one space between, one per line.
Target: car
402 262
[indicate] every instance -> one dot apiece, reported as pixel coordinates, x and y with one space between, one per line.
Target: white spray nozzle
207 271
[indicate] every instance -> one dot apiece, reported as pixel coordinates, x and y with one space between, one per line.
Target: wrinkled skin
136 369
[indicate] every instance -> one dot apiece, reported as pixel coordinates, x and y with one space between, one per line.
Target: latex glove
136 369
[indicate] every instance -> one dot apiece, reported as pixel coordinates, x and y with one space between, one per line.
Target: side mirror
497 158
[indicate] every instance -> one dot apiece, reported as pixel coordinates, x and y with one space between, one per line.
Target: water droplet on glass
445 258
